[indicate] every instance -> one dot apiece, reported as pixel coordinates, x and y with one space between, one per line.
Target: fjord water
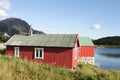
107 58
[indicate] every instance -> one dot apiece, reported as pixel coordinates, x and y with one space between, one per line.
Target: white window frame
16 51
39 53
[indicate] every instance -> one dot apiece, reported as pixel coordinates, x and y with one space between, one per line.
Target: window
16 51
39 53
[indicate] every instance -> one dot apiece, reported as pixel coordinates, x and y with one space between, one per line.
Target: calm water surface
107 58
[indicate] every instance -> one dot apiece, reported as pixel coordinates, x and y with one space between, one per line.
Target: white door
16 51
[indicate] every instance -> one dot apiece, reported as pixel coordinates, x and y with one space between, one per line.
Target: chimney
30 31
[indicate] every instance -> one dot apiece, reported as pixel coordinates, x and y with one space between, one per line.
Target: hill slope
114 40
13 26
17 69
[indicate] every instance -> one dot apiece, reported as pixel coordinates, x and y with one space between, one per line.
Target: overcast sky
92 18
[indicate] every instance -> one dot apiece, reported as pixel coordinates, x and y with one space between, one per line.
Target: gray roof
44 40
85 41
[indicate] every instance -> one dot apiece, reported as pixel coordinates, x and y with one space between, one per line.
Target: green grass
16 69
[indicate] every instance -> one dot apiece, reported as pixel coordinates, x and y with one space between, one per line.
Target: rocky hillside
13 26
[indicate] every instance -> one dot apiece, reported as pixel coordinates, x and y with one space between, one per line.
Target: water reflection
112 55
107 58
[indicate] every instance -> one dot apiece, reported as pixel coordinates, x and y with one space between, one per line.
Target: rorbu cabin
86 53
58 49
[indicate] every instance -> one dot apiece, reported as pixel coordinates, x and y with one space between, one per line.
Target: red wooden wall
86 51
75 61
62 57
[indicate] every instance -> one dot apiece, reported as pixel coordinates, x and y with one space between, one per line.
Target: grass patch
16 69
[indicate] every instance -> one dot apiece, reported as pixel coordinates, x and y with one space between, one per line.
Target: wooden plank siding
61 57
86 51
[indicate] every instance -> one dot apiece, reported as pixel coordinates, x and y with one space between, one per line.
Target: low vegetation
3 38
16 69
108 41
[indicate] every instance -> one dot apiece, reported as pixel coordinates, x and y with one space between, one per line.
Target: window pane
36 52
16 51
40 53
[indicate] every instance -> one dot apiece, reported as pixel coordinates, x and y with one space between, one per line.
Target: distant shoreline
107 46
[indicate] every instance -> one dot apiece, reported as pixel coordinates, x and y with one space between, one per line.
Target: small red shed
86 53
59 49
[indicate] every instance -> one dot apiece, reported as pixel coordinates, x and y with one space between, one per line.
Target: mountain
113 40
13 26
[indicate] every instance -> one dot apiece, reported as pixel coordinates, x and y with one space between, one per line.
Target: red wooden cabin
59 49
86 53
